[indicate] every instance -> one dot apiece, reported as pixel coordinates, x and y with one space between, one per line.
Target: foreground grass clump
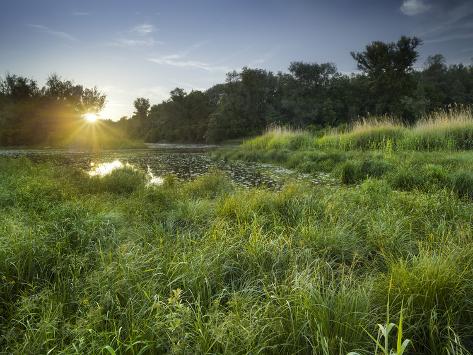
93 266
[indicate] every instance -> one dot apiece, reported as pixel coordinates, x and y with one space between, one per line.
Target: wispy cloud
133 42
182 60
414 7
177 60
80 13
138 36
51 32
143 29
451 20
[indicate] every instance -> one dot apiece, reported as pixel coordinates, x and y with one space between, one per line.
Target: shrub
350 173
208 186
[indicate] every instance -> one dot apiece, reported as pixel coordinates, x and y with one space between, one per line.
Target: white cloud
181 60
178 60
414 7
59 34
80 13
451 22
144 29
133 42
138 36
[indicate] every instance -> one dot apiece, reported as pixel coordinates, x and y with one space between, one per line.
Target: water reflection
103 169
154 180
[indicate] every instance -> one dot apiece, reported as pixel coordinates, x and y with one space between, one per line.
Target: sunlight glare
90 117
105 168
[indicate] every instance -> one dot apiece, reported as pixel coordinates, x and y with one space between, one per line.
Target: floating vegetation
182 161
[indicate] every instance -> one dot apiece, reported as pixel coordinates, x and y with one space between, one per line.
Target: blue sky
146 48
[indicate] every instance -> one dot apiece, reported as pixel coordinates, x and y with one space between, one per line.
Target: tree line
30 115
309 95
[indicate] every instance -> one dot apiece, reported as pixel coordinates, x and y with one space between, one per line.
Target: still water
183 161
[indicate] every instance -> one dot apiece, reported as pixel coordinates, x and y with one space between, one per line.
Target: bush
280 138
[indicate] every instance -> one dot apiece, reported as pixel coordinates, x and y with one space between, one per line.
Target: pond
183 161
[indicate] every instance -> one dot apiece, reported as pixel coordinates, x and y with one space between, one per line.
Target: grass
277 138
450 130
429 156
112 265
366 134
446 130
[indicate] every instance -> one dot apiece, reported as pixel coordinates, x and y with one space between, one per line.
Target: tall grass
92 266
367 134
450 129
446 130
433 154
280 137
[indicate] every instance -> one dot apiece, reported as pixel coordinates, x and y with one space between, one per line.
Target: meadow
381 262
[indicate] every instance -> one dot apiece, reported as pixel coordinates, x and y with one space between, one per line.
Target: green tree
389 67
182 118
30 115
142 107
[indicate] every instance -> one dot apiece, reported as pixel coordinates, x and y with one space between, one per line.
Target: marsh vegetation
112 264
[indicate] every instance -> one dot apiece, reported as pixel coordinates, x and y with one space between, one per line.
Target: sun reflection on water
103 169
154 180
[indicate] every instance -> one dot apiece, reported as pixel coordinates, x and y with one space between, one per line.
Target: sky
146 48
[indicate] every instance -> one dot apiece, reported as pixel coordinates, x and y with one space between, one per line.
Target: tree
77 97
18 87
305 94
388 67
379 58
244 104
182 118
30 115
142 107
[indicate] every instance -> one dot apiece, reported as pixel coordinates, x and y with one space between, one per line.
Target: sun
90 117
